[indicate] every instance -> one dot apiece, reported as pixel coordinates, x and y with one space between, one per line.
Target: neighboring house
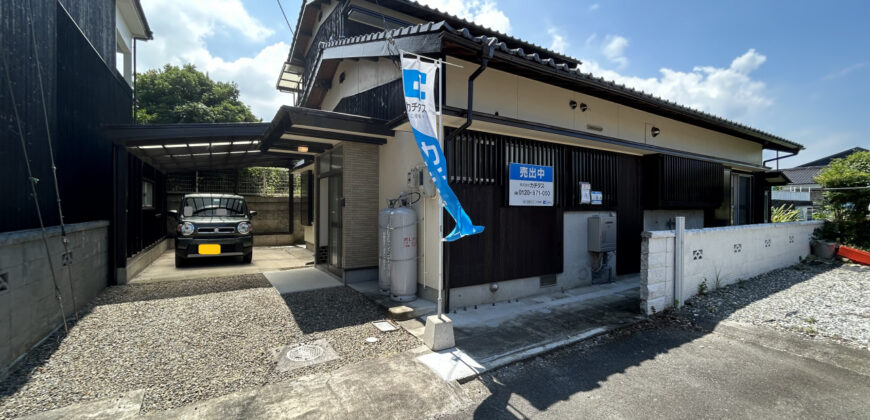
62 60
650 158
802 192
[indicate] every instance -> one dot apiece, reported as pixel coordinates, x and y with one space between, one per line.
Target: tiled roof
802 175
827 159
572 69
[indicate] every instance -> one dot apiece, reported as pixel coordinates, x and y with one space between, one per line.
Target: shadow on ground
144 291
626 349
331 308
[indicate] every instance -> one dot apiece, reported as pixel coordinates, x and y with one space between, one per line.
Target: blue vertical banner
418 81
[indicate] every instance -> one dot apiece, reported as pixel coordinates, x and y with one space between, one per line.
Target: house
505 101
802 192
67 69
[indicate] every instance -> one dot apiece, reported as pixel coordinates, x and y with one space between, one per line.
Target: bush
785 213
846 201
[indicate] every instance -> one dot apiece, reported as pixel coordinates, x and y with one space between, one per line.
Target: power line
293 33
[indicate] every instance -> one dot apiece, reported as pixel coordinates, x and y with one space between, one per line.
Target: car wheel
248 257
179 261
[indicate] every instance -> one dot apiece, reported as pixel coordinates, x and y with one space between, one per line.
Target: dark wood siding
383 102
96 19
145 226
89 95
629 214
17 210
673 182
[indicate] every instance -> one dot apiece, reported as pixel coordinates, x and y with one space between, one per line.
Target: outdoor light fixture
583 107
282 150
655 131
573 104
302 149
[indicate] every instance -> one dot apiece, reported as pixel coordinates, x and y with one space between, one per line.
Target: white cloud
485 13
614 49
725 91
181 29
844 71
558 42
593 7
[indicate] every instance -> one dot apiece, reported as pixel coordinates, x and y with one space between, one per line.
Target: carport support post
679 242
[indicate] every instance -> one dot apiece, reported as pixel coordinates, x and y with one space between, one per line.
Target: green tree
847 198
185 95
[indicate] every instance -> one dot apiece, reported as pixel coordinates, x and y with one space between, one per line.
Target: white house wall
396 159
359 76
517 97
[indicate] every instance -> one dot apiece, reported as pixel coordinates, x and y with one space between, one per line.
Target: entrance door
334 221
741 193
629 215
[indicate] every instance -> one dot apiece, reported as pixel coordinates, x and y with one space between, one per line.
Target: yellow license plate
209 249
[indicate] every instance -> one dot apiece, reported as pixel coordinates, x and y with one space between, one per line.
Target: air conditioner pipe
486 53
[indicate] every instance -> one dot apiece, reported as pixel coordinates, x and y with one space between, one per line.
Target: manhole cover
304 353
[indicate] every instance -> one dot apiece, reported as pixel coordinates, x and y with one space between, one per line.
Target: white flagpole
440 200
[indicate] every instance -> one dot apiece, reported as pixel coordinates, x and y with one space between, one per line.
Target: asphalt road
670 371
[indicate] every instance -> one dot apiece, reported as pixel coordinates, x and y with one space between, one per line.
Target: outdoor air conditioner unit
601 233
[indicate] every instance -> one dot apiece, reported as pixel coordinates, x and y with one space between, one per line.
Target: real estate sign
418 81
530 185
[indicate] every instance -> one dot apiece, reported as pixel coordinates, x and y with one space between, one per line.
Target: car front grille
213 230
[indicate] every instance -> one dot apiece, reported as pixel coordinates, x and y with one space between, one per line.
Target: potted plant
824 243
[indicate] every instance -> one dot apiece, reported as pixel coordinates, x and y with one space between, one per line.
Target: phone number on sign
535 193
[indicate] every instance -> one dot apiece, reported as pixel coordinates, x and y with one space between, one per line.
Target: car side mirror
174 213
252 213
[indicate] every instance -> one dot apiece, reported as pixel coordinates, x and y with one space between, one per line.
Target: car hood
214 219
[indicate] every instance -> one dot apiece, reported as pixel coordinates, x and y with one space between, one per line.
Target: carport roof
192 146
294 134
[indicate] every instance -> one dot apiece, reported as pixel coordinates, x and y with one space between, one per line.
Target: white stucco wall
396 158
664 219
577 262
724 255
359 76
513 96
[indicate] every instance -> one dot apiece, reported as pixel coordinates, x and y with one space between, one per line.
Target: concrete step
397 311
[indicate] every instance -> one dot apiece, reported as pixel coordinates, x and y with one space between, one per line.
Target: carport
147 158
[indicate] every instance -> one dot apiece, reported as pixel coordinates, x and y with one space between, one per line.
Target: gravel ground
826 300
188 341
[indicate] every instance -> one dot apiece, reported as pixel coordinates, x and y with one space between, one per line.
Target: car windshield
214 206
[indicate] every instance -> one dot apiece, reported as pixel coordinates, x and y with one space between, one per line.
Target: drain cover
304 353
300 355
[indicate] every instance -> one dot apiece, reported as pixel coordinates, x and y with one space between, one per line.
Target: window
147 195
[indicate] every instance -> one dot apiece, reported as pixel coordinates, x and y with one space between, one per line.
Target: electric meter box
601 233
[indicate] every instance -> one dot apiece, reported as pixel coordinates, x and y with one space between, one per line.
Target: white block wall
727 254
656 271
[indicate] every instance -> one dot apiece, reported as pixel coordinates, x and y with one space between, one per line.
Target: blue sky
800 70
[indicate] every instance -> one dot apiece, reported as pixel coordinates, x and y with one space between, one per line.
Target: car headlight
244 228
187 229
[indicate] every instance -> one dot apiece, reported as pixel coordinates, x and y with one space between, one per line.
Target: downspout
486 52
777 159
135 99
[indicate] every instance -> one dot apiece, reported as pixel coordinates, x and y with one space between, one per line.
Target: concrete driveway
266 258
667 371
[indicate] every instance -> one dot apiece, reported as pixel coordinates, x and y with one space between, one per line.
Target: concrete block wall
717 257
360 213
273 214
28 307
739 252
656 271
